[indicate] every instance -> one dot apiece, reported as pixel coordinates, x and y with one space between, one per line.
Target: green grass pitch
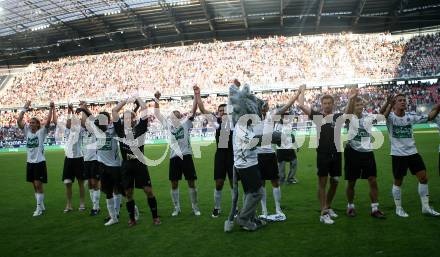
78 234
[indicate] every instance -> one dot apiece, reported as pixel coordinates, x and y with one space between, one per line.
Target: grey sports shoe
246 224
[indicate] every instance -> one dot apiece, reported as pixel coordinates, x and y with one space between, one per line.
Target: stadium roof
35 30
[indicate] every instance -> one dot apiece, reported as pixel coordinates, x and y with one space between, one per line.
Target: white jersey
108 148
244 156
360 134
72 148
179 139
401 133
35 144
287 142
88 145
437 120
268 128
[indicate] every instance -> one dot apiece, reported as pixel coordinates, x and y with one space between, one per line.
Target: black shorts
73 168
183 166
329 164
250 179
286 155
223 164
36 172
401 164
110 178
135 174
268 165
91 170
359 164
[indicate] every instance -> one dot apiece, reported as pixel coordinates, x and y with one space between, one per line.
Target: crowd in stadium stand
263 63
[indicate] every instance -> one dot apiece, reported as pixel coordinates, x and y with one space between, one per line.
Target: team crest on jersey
32 142
402 131
178 133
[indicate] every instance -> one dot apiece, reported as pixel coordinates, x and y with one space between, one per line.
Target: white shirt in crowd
401 133
35 144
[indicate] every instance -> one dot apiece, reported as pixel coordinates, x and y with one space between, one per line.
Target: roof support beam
134 17
318 14
107 27
244 14
207 15
168 10
395 9
282 13
358 12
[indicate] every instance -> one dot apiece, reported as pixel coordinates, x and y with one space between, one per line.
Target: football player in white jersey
181 161
267 159
36 170
359 157
74 161
224 156
404 152
91 164
109 162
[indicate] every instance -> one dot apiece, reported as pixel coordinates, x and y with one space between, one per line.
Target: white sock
111 208
424 195
92 195
175 197
277 197
397 196
39 197
232 197
350 205
96 198
263 202
193 197
217 198
374 207
117 198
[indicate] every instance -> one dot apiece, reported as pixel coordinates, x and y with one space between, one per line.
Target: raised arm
306 110
50 114
292 100
386 109
349 109
85 113
26 107
20 122
142 105
157 113
194 107
69 116
199 100
434 112
54 115
117 109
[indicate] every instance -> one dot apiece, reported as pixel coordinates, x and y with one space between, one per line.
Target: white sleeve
418 118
